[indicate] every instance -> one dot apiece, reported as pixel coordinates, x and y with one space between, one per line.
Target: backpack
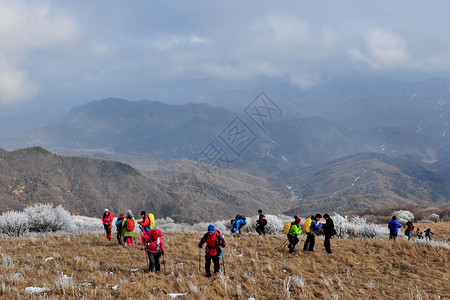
155 233
264 221
287 227
151 218
307 226
130 224
158 243
240 217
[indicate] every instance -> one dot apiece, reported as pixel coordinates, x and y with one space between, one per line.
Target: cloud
305 81
14 84
384 50
25 28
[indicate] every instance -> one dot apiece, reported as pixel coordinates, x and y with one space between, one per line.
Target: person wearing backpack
154 247
261 223
294 231
148 222
238 223
107 220
311 231
393 226
128 225
214 241
120 229
329 231
409 229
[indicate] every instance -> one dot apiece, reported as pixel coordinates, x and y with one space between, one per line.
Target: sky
58 54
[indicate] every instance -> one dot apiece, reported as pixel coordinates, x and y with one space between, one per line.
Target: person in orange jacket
107 220
145 223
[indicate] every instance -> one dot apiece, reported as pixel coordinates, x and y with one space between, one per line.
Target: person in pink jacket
154 247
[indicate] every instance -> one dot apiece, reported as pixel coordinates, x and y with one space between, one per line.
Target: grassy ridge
90 267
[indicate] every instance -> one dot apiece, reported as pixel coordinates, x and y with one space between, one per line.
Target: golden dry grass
358 269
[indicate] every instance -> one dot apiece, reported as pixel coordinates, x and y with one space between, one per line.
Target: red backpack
130 224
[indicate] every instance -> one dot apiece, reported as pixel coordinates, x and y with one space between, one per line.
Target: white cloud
25 28
171 41
14 84
384 50
305 81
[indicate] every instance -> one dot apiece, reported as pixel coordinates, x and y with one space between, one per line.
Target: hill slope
364 183
90 267
86 186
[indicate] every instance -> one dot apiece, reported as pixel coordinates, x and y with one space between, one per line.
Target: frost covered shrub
13 223
433 217
46 218
403 216
83 224
357 228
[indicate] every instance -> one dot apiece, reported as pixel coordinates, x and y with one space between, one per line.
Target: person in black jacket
261 223
329 231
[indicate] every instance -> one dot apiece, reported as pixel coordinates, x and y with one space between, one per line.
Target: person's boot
208 274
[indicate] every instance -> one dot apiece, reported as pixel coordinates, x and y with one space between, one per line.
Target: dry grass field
90 267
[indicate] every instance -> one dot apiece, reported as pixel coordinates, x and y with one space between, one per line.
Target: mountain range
309 151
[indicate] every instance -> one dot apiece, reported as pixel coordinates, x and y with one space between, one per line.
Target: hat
143 213
211 228
318 216
121 215
129 213
297 219
106 210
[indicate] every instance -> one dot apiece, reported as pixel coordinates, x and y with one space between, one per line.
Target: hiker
419 233
154 247
237 223
107 220
261 223
294 231
329 231
428 233
214 241
311 228
409 229
393 226
120 229
128 225
147 223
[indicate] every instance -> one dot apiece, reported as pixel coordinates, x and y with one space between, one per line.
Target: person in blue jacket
312 232
393 226
120 229
237 223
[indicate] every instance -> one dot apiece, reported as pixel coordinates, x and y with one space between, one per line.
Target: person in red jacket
214 240
107 220
154 247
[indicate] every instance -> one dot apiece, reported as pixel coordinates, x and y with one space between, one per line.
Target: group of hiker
394 226
214 240
311 228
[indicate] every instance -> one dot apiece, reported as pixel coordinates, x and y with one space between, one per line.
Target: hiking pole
282 244
199 259
223 262
164 262
146 257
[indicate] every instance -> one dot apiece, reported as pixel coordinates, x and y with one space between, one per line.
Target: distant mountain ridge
365 183
86 186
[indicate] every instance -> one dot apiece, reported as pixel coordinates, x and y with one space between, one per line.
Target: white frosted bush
83 224
403 216
13 223
433 217
357 228
46 218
